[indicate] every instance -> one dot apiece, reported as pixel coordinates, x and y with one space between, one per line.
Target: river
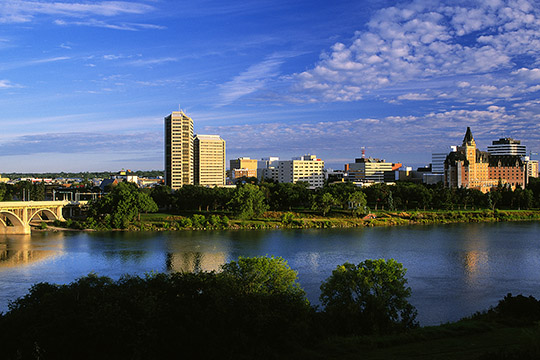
453 270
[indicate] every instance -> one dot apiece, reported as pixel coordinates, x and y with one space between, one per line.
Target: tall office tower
209 160
507 146
178 150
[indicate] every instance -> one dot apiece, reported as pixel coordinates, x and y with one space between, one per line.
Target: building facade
209 160
267 168
507 146
243 167
370 170
307 168
532 167
471 168
178 150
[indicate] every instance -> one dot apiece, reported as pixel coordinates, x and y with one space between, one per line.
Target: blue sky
84 85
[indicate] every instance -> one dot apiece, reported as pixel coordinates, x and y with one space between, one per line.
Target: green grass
343 218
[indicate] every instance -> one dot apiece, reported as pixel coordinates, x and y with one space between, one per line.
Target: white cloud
419 133
103 24
251 80
150 62
18 11
415 97
6 84
420 41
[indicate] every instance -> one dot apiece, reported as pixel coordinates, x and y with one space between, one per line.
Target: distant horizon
86 85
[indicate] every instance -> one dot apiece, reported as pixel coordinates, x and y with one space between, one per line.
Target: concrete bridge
15 216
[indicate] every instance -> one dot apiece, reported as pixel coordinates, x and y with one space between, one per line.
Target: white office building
507 146
307 168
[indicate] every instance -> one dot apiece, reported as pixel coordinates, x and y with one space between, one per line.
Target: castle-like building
471 168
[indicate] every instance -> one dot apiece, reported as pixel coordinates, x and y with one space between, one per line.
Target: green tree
248 201
264 275
357 203
162 196
324 202
368 297
3 191
122 205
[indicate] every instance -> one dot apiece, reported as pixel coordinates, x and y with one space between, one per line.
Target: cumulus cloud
426 42
421 133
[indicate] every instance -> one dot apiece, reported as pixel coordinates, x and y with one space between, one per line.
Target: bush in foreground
200 315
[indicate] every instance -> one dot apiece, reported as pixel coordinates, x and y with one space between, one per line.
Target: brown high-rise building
178 150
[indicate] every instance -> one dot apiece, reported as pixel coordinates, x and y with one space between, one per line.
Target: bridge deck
37 204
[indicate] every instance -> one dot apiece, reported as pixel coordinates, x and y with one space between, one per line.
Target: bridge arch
50 214
19 227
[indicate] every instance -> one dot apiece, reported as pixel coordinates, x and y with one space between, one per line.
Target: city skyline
85 85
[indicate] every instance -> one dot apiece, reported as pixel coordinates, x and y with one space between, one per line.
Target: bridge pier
15 230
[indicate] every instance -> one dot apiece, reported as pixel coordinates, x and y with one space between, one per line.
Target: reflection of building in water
195 261
475 263
20 251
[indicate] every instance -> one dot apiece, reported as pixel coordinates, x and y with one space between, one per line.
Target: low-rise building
307 168
243 166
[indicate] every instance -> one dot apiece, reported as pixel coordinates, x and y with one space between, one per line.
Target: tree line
287 196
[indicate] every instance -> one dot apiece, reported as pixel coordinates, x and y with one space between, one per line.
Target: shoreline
273 220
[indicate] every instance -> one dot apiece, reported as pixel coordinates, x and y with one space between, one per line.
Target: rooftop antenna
363 152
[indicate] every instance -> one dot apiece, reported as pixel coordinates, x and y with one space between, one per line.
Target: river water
453 270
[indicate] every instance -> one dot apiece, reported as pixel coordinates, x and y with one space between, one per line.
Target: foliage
3 191
324 202
122 205
151 318
248 201
357 203
264 275
162 196
368 297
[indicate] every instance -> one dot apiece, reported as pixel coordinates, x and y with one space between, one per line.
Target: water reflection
195 261
23 250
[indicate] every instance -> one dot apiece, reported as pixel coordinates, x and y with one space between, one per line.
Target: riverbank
300 220
303 220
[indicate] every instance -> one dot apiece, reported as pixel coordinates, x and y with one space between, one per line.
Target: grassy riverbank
306 220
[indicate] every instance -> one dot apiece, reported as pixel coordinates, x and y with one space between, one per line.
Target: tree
122 205
248 201
264 275
368 297
357 202
3 190
162 196
323 202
